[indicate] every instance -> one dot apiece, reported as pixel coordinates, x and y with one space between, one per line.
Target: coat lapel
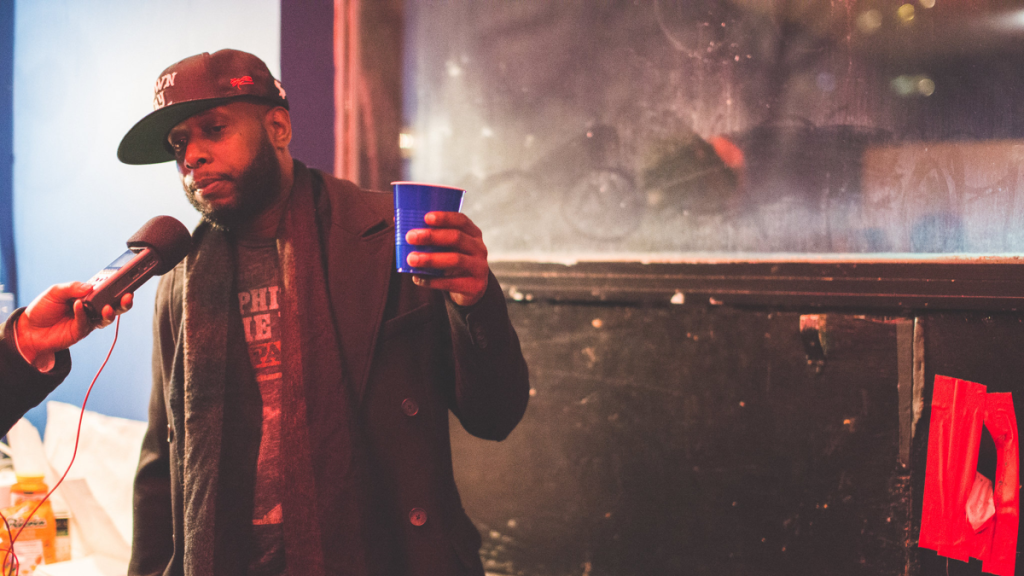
360 255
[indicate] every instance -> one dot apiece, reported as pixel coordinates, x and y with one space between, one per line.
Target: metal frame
943 284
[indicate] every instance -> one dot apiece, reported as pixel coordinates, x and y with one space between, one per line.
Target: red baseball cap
193 85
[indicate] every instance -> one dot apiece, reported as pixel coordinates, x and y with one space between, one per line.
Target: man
299 416
34 342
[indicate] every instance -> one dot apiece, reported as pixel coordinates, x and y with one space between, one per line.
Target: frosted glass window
755 127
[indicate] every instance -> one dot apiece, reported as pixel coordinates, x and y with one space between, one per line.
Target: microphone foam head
167 237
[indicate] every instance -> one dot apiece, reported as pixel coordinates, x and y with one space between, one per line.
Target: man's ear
278 123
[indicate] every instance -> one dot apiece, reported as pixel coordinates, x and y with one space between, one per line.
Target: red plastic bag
959 409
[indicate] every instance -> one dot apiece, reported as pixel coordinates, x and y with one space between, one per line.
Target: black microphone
156 248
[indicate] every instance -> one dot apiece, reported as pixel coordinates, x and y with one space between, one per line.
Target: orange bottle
35 543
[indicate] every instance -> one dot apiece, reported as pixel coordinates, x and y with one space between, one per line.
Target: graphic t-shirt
259 299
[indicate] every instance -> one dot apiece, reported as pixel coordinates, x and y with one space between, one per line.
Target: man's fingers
449 241
109 313
446 237
452 263
463 290
83 325
452 220
68 291
462 257
457 284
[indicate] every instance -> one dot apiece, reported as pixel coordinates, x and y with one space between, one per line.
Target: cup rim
408 183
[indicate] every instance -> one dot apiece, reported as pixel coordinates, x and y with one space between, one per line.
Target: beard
258 186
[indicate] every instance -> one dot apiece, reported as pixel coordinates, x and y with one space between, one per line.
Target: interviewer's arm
33 346
56 319
22 386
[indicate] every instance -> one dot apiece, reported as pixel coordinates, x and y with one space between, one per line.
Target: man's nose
195 155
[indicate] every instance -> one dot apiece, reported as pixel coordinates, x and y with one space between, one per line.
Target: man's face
228 166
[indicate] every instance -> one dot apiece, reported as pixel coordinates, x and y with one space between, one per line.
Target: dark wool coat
410 354
22 387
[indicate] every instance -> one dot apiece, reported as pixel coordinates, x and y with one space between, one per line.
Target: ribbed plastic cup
412 202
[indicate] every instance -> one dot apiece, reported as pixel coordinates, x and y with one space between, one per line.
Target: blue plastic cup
412 202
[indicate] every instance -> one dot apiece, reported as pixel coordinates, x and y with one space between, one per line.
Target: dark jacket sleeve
152 530
22 387
492 384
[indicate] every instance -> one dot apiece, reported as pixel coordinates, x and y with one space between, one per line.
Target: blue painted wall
83 75
8 270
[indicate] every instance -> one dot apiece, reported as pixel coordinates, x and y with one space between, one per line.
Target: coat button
417 516
480 337
410 407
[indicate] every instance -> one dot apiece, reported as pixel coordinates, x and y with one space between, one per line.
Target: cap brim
146 142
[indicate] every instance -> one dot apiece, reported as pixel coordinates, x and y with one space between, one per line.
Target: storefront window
649 128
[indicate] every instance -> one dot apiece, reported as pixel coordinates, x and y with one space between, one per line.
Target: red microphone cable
10 554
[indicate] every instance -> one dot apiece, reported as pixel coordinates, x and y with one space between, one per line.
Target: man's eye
178 146
216 129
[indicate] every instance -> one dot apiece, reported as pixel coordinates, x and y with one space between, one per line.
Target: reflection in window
739 126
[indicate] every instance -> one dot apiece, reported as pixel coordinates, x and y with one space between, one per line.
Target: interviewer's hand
56 319
465 262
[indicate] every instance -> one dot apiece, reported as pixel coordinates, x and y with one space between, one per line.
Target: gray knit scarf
320 446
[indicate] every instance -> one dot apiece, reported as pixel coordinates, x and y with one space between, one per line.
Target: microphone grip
123 275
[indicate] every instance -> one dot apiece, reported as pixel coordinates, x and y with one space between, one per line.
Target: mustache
193 184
